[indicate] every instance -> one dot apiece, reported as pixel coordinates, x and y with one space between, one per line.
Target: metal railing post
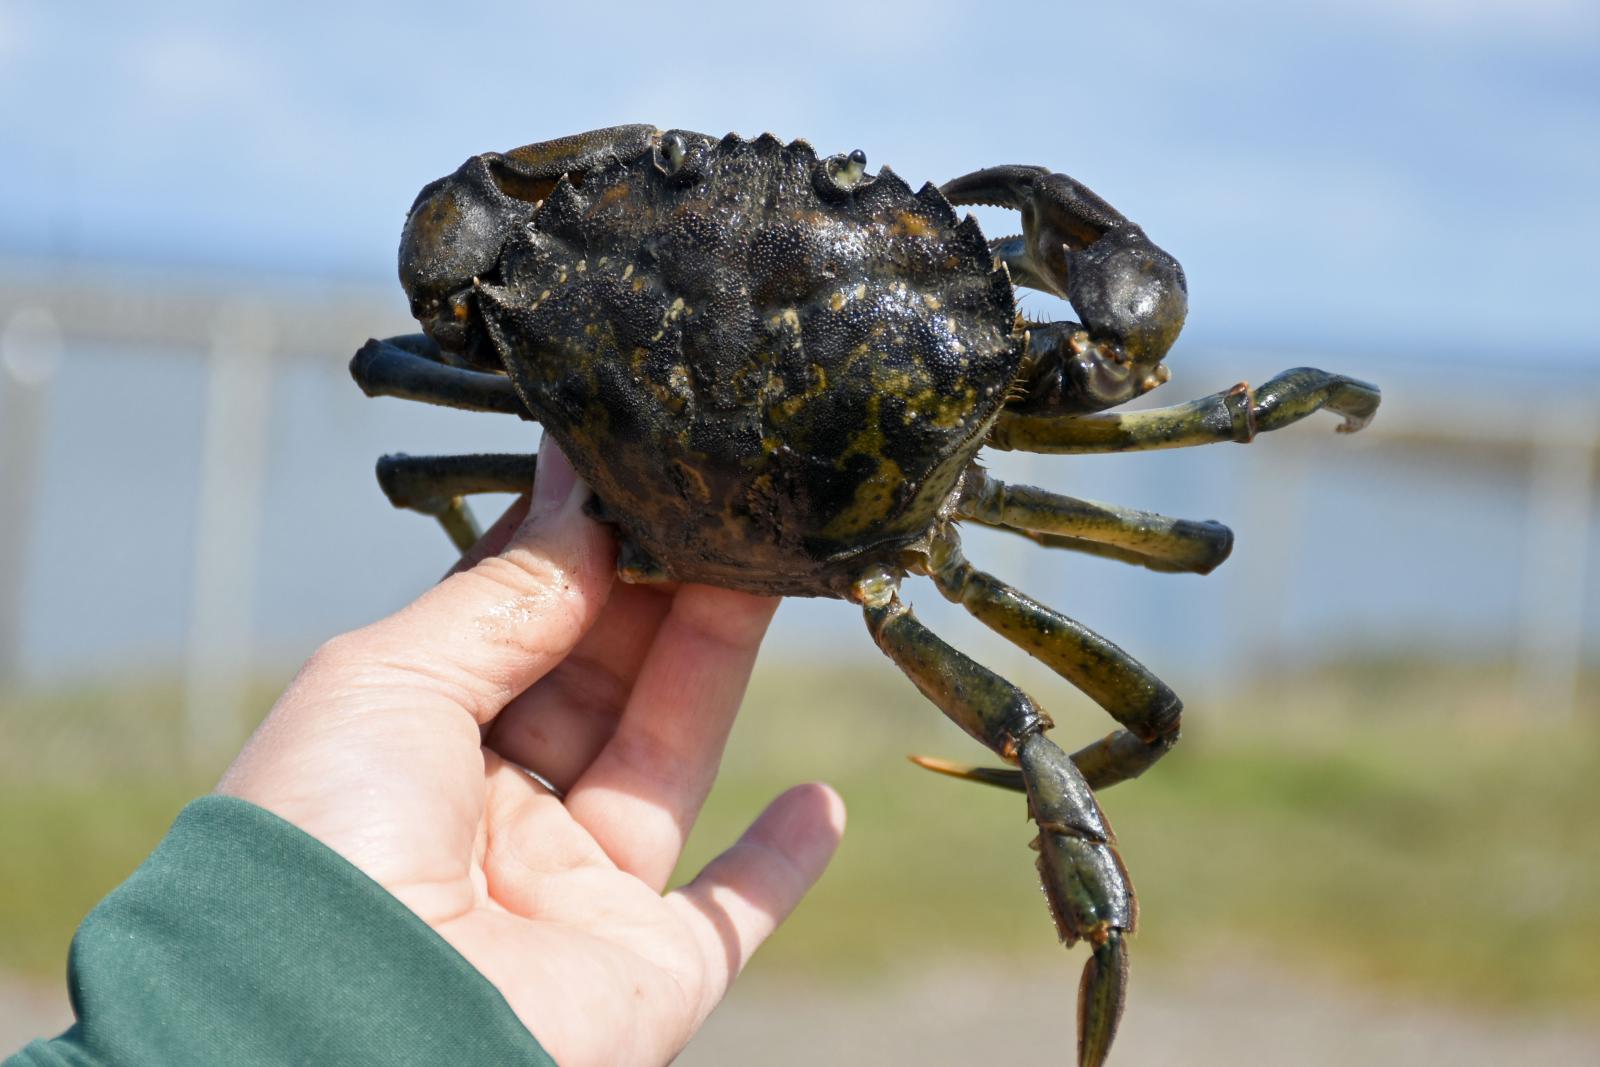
30 349
227 527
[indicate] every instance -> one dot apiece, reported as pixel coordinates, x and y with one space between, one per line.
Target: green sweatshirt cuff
243 940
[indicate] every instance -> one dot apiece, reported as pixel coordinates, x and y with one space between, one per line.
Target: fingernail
553 481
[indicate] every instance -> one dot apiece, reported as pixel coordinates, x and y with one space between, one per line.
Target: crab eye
855 165
674 149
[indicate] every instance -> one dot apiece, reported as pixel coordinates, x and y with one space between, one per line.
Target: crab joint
1241 404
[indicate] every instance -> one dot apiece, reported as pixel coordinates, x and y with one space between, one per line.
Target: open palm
405 747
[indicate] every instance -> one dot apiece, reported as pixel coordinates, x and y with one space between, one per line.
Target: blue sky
1353 183
1413 175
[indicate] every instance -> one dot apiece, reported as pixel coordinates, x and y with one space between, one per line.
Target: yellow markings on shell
582 266
874 496
676 393
627 271
603 261
836 302
944 412
908 225
860 291
791 406
638 283
932 302
544 296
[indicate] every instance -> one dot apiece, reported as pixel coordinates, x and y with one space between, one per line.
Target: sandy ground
1244 1014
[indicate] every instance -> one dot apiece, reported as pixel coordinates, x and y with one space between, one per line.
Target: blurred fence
1464 516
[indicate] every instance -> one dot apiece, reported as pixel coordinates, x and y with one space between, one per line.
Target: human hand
402 747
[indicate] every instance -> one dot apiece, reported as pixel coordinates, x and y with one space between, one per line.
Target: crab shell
772 369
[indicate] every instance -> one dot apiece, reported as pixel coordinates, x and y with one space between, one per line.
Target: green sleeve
242 940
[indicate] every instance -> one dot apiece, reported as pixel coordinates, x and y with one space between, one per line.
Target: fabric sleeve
243 940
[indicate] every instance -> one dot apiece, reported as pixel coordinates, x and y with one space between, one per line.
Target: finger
642 793
735 903
566 719
482 636
495 539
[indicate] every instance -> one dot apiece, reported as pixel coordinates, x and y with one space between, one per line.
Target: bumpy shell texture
771 376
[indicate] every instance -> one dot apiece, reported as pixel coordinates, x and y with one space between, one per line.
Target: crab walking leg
434 485
1120 684
1149 711
1085 883
412 367
1115 758
1236 414
1143 537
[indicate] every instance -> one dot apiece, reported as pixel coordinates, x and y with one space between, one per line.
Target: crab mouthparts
1106 371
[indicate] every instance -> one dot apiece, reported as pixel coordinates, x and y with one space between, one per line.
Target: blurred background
1378 841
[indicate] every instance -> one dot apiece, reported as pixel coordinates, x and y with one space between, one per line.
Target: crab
776 372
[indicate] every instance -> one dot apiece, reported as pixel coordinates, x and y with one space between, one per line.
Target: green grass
1448 853
1409 830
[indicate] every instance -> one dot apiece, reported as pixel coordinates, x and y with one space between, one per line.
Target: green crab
776 371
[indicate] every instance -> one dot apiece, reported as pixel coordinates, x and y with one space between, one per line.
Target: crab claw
1131 295
454 233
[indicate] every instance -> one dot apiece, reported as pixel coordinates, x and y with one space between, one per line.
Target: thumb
485 634
741 897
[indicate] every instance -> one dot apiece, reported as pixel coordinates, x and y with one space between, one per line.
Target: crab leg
413 367
1120 684
1085 883
1115 758
1236 414
434 485
1143 537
